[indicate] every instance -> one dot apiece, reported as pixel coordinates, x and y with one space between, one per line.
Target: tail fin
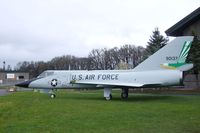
171 56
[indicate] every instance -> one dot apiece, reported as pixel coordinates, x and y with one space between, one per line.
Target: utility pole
4 65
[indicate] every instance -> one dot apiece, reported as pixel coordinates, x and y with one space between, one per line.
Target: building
186 26
12 77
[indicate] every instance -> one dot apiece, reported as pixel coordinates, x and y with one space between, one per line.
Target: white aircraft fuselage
107 78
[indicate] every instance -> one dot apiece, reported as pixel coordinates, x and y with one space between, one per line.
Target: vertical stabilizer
171 56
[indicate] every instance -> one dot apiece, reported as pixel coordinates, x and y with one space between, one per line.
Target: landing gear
107 94
53 96
124 94
109 98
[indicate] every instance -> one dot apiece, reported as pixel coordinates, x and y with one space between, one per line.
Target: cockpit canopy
45 74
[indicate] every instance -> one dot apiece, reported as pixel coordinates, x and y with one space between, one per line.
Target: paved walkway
3 92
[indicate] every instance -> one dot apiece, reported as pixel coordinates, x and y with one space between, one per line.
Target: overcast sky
42 29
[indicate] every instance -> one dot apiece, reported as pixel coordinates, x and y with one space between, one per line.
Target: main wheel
124 95
109 98
53 96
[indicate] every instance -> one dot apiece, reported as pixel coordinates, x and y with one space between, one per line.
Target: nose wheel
53 96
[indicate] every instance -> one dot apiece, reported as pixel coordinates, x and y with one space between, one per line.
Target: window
45 74
21 77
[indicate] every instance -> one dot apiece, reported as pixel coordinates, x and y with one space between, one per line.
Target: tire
53 96
109 98
124 95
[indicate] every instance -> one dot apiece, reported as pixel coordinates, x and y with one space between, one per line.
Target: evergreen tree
156 42
194 54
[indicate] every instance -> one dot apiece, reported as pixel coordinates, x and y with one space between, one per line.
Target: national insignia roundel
54 82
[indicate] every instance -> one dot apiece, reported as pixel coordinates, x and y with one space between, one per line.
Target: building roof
3 71
176 30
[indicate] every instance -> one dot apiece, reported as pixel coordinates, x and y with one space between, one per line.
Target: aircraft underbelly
73 86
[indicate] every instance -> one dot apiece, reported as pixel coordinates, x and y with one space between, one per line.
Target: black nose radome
24 84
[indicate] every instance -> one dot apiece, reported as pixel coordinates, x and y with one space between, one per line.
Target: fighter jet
164 68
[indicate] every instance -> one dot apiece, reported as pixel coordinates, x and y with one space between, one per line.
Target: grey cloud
43 29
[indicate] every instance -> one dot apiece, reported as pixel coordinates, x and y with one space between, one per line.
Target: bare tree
98 59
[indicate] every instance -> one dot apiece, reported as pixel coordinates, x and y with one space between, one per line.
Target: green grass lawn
88 112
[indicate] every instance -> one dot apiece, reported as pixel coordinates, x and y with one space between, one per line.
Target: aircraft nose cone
24 84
